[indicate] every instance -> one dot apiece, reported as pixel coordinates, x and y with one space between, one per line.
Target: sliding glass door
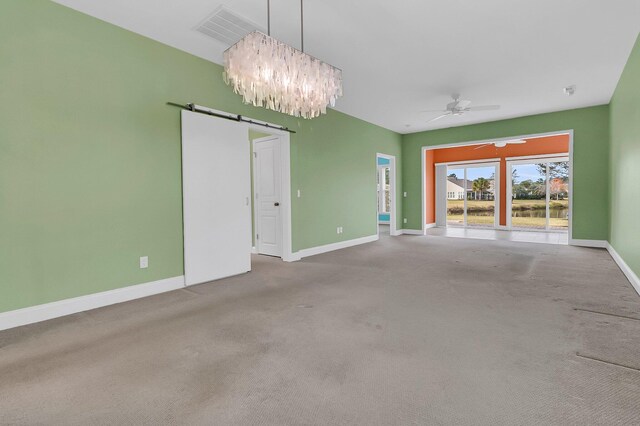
558 205
456 183
539 194
481 196
471 195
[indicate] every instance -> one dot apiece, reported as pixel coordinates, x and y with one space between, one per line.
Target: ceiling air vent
226 26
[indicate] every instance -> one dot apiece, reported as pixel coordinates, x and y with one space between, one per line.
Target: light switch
144 262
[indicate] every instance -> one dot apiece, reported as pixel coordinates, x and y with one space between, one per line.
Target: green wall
625 163
90 156
590 166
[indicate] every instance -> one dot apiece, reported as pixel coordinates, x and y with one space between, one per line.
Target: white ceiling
405 56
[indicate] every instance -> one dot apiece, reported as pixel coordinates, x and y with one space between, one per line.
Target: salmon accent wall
557 144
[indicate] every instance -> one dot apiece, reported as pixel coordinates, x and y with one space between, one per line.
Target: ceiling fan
502 144
460 107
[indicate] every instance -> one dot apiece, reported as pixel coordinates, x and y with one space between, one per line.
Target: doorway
386 194
267 195
555 148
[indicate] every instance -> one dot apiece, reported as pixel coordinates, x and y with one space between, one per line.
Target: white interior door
267 188
216 186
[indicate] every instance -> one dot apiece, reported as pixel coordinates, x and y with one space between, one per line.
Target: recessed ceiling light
570 90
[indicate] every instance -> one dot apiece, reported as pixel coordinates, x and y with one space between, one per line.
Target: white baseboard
631 276
254 250
396 232
292 257
588 243
64 307
412 231
335 246
430 225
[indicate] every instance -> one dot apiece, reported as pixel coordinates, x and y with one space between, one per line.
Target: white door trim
533 157
441 195
285 188
470 162
256 210
392 184
479 142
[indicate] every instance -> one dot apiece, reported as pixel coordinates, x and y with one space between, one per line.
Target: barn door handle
276 204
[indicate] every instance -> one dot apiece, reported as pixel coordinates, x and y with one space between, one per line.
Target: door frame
493 162
530 159
285 188
255 205
423 179
392 186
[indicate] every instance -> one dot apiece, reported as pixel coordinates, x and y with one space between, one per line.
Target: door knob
276 204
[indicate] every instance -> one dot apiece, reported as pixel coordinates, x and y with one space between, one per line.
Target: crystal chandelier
269 73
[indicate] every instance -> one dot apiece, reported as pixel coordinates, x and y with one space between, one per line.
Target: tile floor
494 234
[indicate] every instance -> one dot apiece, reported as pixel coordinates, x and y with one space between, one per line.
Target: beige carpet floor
407 330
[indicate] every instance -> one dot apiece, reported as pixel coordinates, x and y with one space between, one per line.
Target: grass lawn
456 206
516 222
455 210
471 220
539 204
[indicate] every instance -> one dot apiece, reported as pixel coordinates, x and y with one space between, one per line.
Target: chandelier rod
301 22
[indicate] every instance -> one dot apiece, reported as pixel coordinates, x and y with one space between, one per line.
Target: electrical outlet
405 194
405 220
144 262
298 193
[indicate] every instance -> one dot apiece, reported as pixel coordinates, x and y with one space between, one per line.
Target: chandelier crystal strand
271 74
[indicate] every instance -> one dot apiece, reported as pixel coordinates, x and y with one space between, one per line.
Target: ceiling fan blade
482 146
484 108
439 117
463 103
432 110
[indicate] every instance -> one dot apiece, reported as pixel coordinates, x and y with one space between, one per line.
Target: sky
525 171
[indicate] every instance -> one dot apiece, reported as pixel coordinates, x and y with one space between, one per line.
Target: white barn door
215 188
